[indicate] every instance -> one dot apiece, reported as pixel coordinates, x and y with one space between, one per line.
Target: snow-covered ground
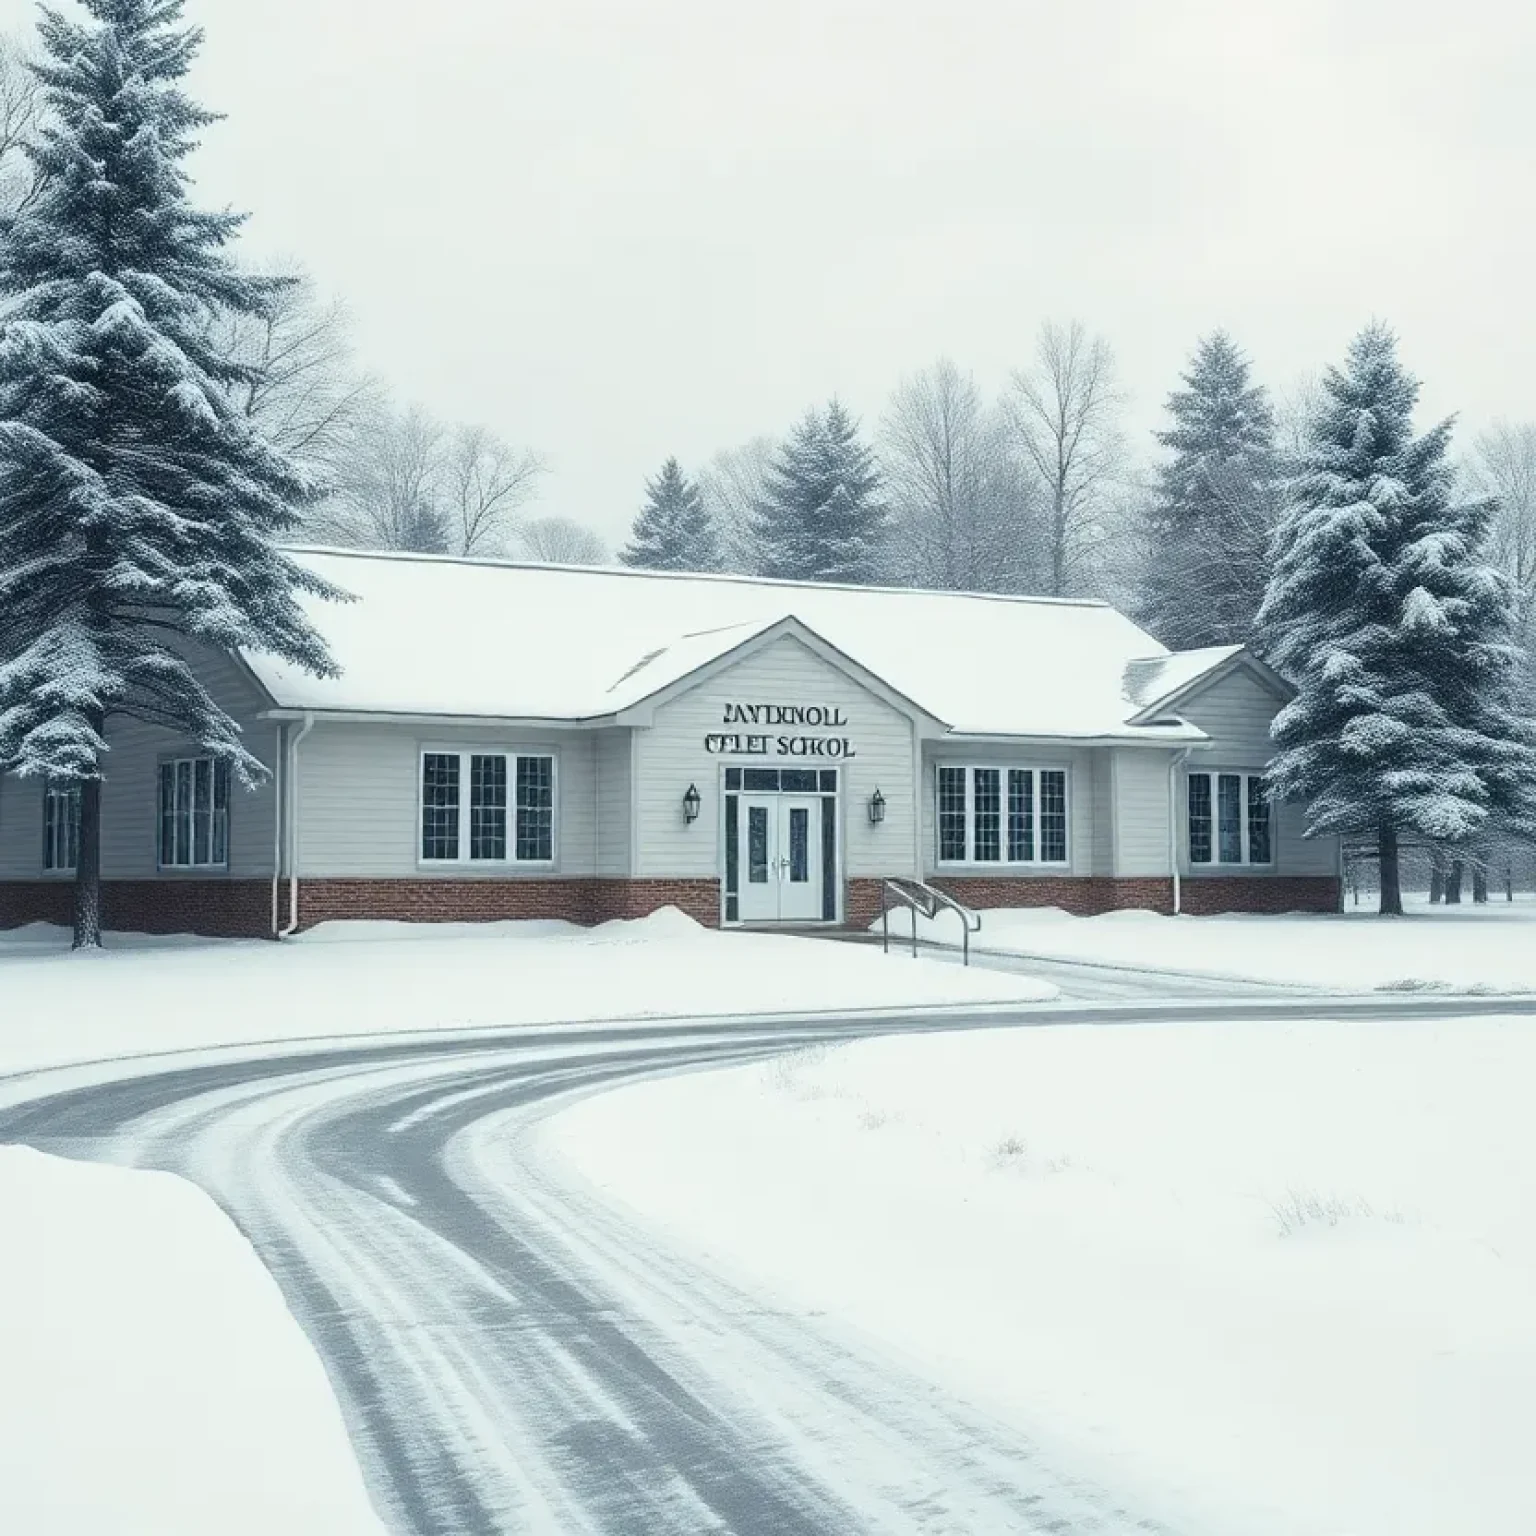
145 995
1455 949
152 1382
1283 1277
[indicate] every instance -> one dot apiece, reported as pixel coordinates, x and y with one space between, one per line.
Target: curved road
509 1354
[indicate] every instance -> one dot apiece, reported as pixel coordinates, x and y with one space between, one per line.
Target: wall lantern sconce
877 808
691 804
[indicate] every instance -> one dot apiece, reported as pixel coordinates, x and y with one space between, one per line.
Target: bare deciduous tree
404 480
1295 409
306 393
386 476
560 541
486 481
21 115
1503 465
965 517
732 486
1065 411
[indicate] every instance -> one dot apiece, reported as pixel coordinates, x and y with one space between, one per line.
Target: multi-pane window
487 808
536 808
1021 816
987 816
61 826
1229 819
1258 822
1002 815
1053 817
1199 818
194 813
440 805
953 821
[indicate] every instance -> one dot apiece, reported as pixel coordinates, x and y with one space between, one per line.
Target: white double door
781 861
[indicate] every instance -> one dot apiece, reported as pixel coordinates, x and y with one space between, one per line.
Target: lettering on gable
764 744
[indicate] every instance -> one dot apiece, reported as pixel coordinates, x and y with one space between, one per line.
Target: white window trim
53 787
1216 862
490 749
222 867
1004 862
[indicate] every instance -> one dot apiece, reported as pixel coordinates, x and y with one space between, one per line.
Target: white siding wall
359 800
1235 712
670 755
1101 772
21 828
1141 807
130 791
1081 839
613 750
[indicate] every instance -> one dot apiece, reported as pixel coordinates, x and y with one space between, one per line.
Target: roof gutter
293 827
412 717
1191 737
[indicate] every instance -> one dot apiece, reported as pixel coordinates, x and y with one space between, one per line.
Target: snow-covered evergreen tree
137 504
1217 501
1385 612
674 531
821 517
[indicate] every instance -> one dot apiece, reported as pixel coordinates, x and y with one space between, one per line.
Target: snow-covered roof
429 635
1151 679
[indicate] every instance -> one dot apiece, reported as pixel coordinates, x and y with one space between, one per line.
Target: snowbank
373 978
1278 1277
153 1382
1452 949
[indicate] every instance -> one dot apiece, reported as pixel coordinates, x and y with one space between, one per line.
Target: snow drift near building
153 1382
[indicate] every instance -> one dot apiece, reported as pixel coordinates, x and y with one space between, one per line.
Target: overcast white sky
614 231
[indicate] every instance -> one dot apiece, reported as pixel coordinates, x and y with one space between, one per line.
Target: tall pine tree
1397 631
137 505
674 531
1217 502
821 516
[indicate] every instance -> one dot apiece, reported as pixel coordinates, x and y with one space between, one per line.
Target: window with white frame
1002 815
1229 819
61 826
487 807
194 813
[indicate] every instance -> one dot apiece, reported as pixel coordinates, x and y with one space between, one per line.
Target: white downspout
1179 759
293 825
277 822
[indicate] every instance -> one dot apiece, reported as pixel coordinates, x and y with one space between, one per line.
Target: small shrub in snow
1010 1152
1303 1208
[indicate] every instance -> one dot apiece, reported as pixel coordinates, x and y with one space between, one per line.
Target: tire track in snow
510 1353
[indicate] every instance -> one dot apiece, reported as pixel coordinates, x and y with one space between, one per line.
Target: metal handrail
926 899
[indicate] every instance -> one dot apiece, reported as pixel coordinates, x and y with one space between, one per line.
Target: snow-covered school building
513 741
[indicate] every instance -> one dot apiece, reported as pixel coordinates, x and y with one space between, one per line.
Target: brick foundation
482 901
1206 895
243 908
1088 896
219 909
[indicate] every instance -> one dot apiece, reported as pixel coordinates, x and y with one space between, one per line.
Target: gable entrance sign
765 744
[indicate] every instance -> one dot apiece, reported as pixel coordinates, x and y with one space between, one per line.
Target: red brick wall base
221 909
243 908
1088 896
1205 895
480 901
